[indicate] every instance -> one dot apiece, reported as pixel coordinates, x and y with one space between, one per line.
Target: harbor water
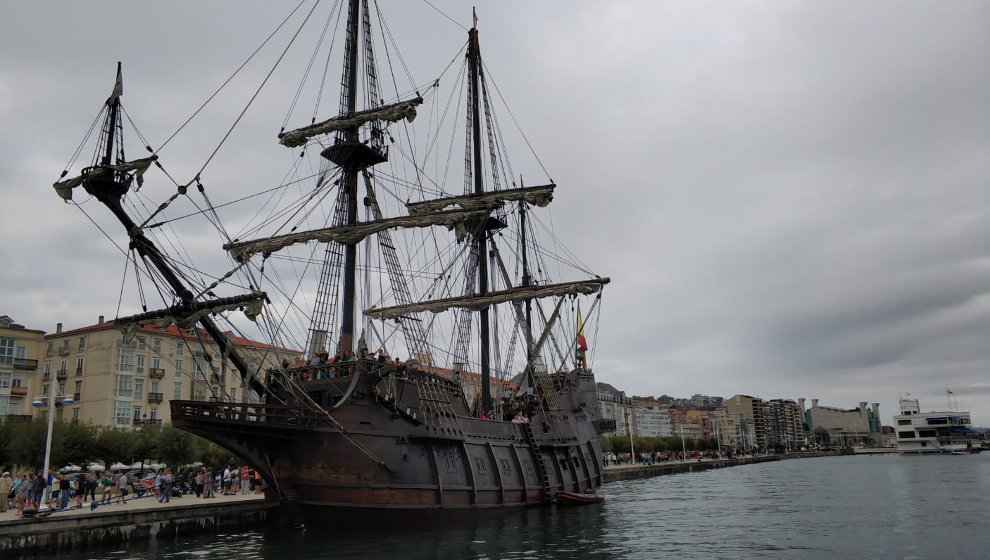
883 506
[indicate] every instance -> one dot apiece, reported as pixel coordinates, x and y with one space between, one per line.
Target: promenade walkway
143 504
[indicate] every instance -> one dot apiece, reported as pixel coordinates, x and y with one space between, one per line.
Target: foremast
108 181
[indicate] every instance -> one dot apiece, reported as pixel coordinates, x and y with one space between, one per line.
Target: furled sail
64 188
537 196
475 303
350 235
187 315
391 113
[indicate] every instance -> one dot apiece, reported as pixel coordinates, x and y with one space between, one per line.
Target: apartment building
617 408
20 348
127 380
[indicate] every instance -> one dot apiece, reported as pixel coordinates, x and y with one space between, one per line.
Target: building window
51 349
158 345
905 435
141 343
178 348
125 386
139 368
156 363
126 361
48 369
904 422
78 390
154 414
122 413
65 345
138 388
82 343
79 366
137 413
6 350
178 368
65 366
177 392
154 387
233 394
75 415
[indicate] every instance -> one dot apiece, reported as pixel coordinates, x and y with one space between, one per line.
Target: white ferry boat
933 432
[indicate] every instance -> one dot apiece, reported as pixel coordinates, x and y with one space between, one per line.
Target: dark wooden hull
398 452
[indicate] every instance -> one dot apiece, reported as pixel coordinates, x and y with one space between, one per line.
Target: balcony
77 396
61 374
64 351
78 371
18 391
22 363
155 397
156 373
148 422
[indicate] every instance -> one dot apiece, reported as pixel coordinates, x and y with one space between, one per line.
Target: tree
73 443
27 443
114 445
175 446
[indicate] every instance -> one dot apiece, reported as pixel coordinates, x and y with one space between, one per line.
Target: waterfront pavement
144 503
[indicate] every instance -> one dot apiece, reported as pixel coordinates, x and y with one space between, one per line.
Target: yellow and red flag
582 343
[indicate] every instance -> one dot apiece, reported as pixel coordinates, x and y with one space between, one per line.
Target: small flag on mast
582 343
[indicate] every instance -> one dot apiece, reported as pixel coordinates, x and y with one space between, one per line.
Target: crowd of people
322 366
610 458
26 490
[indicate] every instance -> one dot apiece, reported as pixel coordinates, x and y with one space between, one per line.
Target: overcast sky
792 198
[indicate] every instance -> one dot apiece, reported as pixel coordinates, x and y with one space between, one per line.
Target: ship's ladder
548 391
541 464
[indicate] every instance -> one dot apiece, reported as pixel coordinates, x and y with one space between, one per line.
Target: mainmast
350 176
481 236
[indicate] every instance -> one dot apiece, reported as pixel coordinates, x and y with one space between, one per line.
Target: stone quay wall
61 533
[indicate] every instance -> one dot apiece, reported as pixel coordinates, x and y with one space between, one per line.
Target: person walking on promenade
166 487
23 493
64 489
6 486
209 489
245 481
90 487
121 487
158 484
198 481
37 489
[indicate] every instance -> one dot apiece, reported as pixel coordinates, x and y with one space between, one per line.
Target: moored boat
454 282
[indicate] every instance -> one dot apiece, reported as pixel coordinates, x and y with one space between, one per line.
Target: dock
136 519
638 470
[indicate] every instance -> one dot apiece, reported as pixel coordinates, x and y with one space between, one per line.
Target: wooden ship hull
407 449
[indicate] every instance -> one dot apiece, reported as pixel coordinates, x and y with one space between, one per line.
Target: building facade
127 380
19 351
845 427
617 408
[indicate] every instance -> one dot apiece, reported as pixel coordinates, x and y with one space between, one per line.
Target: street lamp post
632 452
48 438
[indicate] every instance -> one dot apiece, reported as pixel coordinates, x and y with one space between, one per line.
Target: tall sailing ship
444 366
